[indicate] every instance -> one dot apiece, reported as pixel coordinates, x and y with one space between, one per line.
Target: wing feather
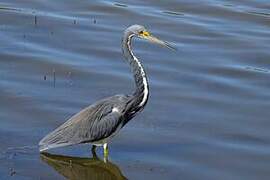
94 123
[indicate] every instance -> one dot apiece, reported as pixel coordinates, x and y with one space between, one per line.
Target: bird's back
96 122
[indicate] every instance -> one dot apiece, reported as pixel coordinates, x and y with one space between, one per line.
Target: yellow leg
106 150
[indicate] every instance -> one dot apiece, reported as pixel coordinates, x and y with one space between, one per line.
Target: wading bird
99 122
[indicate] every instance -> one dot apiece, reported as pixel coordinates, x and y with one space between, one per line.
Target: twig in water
54 78
35 20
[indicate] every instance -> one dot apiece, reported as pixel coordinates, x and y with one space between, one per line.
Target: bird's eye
141 32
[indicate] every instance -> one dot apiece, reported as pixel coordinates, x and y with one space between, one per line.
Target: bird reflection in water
75 168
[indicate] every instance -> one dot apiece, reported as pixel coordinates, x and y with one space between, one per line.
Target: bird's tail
44 147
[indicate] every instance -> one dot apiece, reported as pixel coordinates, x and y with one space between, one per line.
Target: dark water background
208 113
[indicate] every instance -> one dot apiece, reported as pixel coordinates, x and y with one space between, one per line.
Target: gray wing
93 123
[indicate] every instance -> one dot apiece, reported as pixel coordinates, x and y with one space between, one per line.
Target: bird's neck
142 89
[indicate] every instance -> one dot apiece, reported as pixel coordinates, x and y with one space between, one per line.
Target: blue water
208 112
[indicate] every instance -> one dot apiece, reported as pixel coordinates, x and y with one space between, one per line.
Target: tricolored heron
99 122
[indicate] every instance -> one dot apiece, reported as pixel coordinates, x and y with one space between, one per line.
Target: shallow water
208 113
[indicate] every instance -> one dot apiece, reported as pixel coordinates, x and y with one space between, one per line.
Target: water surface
208 113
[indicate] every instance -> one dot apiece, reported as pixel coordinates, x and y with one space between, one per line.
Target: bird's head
143 33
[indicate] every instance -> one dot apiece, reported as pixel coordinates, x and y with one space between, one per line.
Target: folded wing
93 123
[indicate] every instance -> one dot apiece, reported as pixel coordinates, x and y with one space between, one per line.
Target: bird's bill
146 35
155 40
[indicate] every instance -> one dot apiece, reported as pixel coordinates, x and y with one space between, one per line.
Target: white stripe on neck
145 84
145 88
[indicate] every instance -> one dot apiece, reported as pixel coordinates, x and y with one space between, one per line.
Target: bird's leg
93 148
94 151
106 150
